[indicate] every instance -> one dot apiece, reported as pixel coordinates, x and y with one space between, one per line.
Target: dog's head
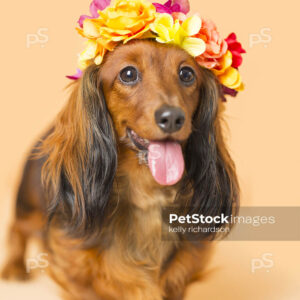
151 99
152 93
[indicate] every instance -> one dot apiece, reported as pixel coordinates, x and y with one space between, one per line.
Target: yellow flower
93 51
227 75
123 21
171 32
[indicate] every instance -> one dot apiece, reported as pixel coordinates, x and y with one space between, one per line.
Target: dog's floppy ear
82 158
210 169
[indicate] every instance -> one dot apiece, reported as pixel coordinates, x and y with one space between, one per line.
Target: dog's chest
137 225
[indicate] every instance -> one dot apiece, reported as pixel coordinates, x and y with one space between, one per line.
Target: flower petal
175 8
165 20
81 19
240 88
90 28
236 49
160 8
106 43
237 59
75 76
194 46
231 38
172 6
231 78
94 10
109 31
143 34
184 5
159 40
169 3
178 34
83 64
227 91
225 63
192 25
179 16
163 26
98 5
90 50
99 58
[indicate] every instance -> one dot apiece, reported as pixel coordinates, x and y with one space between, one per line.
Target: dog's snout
169 119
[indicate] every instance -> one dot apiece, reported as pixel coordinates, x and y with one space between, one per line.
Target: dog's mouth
164 158
137 141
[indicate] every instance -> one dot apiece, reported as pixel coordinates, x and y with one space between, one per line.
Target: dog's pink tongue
166 162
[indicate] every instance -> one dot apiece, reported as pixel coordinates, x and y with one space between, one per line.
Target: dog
93 190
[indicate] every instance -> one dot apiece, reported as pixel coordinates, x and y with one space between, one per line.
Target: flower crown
111 24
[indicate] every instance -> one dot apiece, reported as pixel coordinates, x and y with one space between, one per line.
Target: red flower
236 49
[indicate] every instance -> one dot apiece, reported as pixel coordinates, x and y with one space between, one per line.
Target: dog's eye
187 75
129 75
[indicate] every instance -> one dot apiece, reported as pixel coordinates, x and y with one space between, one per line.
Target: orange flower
123 21
216 46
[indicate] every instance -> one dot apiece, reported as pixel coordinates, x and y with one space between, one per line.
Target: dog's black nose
170 119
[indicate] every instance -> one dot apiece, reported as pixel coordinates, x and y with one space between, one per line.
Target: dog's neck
137 222
135 180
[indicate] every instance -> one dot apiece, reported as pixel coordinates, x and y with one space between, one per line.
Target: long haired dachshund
99 190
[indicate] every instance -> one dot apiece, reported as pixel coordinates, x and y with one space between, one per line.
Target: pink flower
216 46
75 76
173 6
94 7
236 49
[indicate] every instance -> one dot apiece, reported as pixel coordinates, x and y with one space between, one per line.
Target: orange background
263 122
